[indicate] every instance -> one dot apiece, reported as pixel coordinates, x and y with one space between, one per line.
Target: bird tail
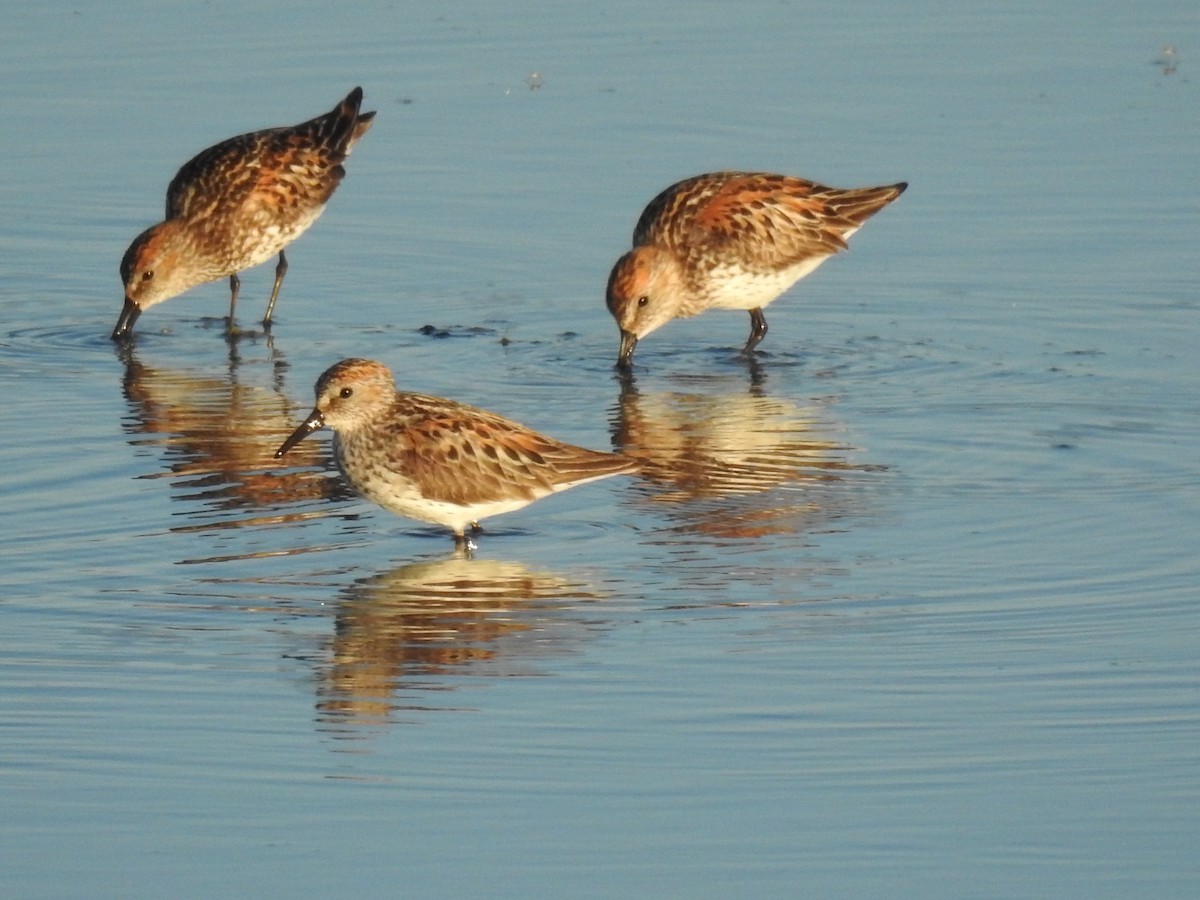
344 124
859 204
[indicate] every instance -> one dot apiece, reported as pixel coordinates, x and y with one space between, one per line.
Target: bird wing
472 459
785 219
460 454
277 169
274 169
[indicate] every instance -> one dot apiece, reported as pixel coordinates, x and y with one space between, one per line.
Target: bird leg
463 545
280 271
235 285
758 329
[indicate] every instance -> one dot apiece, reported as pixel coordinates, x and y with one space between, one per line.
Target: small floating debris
1168 59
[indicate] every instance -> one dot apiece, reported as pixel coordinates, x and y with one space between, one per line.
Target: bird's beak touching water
628 342
129 314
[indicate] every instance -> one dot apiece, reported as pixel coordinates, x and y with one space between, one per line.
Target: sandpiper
438 460
730 240
236 205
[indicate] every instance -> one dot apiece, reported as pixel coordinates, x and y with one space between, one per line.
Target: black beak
129 314
628 342
315 420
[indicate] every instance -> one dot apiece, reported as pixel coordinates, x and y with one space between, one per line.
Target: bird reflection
217 435
738 464
418 626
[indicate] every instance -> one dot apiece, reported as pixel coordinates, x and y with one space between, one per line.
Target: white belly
732 287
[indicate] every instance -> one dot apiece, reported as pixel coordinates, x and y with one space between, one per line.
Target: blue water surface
908 608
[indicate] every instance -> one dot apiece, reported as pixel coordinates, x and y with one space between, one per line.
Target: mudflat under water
908 608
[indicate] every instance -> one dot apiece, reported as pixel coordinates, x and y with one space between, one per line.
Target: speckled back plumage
465 455
286 169
762 220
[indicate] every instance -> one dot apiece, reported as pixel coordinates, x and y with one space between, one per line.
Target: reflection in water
735 465
217 436
414 627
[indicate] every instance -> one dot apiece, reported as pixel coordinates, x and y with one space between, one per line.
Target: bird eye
642 301
345 393
147 275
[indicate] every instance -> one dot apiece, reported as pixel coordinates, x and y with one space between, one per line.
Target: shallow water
907 608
